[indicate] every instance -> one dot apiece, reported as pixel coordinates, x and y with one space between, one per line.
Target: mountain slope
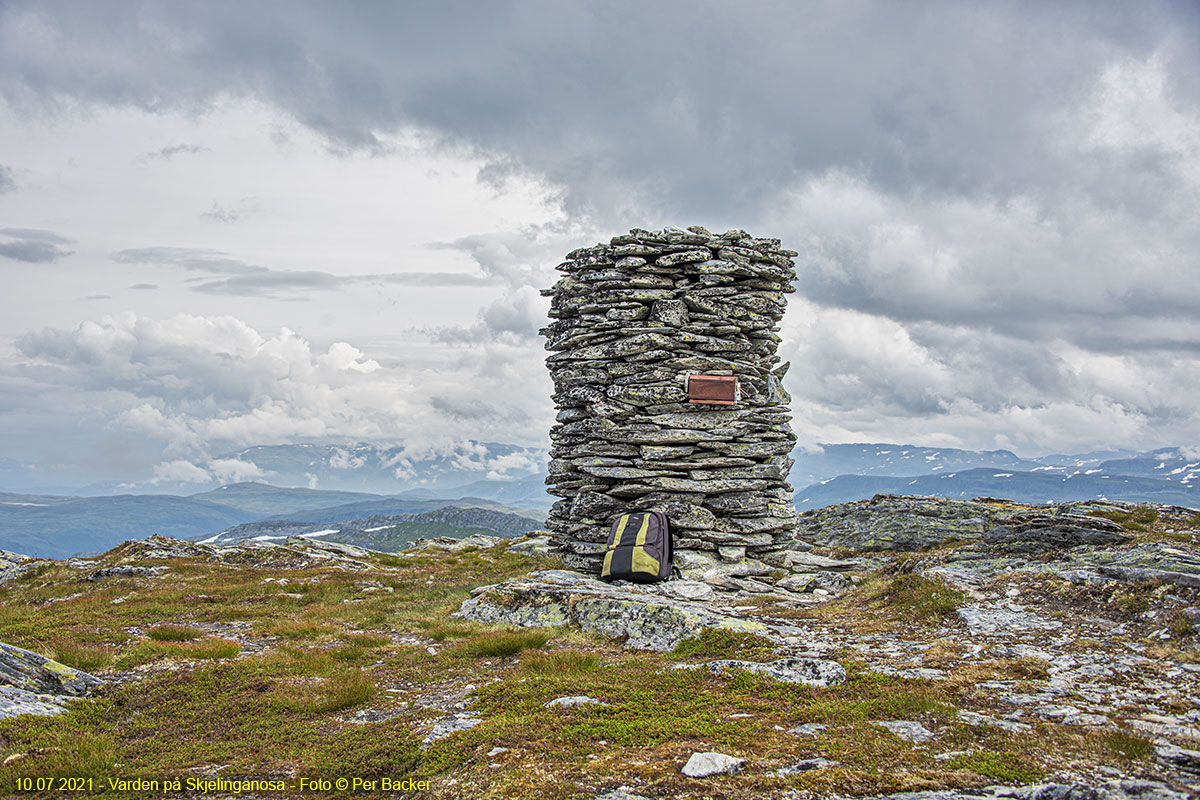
92 524
1026 487
386 532
393 505
265 500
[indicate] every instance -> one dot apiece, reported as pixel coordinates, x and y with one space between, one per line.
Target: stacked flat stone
631 320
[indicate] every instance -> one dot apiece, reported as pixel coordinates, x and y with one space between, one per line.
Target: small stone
731 554
574 700
621 794
808 671
686 590
805 765
907 730
449 725
704 765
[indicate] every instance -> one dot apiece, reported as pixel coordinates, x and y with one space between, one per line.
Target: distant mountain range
57 527
509 480
832 460
842 473
387 532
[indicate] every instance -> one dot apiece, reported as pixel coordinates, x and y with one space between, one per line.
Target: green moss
1005 767
719 643
1138 519
916 599
386 750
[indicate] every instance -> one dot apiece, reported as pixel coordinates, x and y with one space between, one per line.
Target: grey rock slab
686 590
573 701
808 729
125 571
972 718
798 561
532 546
705 765
1002 621
907 730
806 671
17 702
13 565
646 619
23 669
1187 760
1043 535
449 725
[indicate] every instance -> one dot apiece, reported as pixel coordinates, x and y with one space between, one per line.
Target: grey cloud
431 279
144 286
196 259
244 279
170 151
635 108
264 283
231 213
7 182
478 410
98 297
995 211
514 318
33 246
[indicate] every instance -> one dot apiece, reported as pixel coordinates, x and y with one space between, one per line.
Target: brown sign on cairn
714 390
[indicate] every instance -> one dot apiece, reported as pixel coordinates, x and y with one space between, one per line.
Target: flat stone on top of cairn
669 396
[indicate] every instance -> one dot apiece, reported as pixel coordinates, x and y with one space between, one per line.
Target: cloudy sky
226 224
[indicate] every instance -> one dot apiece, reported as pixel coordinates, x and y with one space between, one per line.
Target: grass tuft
917 599
1122 744
561 663
168 632
86 657
507 643
340 691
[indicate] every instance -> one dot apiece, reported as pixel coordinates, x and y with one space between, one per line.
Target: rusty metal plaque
716 390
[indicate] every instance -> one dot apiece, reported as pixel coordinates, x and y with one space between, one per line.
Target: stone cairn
632 320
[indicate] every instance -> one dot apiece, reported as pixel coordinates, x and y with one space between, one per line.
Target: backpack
639 548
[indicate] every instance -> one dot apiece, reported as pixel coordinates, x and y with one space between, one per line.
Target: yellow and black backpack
639 548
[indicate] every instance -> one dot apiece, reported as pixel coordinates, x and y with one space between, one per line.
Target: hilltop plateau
979 648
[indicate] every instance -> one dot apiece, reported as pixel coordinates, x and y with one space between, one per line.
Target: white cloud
233 470
200 384
181 471
995 209
342 459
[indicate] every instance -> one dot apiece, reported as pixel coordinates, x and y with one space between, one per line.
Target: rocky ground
954 649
